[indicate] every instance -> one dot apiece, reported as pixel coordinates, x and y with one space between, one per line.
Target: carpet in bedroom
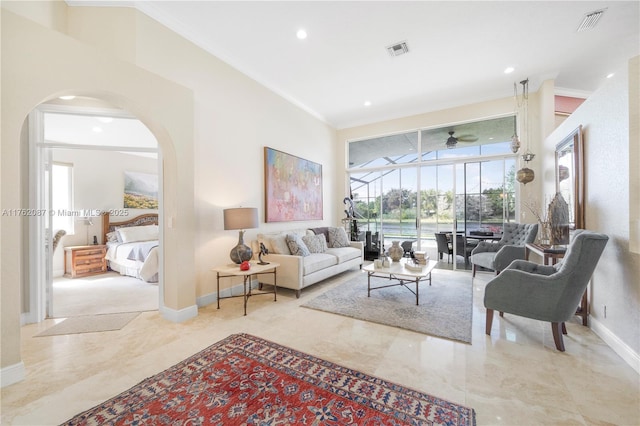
102 294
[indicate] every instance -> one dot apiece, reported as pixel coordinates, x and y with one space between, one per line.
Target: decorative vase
395 251
241 252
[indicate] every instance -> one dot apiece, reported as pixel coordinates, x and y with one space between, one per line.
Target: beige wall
211 122
606 118
54 65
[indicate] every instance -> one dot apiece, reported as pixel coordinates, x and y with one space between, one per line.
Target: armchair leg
473 271
564 329
489 322
556 329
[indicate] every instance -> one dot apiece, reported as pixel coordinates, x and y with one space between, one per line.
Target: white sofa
299 271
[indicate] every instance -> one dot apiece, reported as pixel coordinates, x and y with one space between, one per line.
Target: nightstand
83 261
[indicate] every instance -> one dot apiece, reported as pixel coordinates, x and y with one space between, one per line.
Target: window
62 197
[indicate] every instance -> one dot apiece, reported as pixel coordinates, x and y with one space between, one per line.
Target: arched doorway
93 143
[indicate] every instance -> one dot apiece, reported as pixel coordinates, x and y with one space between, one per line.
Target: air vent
398 49
590 20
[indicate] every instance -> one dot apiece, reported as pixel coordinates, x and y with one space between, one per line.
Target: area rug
90 324
246 380
445 309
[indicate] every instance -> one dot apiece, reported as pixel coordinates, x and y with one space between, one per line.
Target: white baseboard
12 374
626 353
211 298
179 315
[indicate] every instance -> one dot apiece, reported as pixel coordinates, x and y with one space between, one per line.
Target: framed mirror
570 176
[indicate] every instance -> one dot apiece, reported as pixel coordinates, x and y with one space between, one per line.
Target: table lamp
240 218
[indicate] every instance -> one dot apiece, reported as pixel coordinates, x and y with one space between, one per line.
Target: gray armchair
546 293
497 256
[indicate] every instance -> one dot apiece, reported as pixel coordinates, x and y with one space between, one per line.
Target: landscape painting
293 187
140 190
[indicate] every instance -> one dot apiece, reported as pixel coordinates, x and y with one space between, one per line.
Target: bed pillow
132 234
315 243
112 237
296 245
338 238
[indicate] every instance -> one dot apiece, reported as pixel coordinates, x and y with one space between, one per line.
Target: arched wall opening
59 65
90 146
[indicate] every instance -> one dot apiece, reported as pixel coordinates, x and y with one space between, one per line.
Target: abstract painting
293 187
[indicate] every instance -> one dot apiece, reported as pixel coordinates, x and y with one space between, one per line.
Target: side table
550 256
84 261
233 270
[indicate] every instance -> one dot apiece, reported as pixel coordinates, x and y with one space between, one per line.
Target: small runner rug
90 324
246 380
445 310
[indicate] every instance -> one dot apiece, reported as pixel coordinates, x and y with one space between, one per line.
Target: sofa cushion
315 243
318 261
275 243
344 254
296 245
338 237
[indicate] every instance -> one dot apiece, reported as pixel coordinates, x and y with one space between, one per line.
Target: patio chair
407 246
497 256
443 240
546 293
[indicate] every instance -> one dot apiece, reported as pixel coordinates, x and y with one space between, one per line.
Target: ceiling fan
452 141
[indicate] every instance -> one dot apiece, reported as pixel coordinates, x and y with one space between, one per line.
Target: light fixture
240 218
509 70
610 75
301 34
367 103
515 140
66 97
451 142
87 222
525 175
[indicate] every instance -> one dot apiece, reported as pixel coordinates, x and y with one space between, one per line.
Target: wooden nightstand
82 261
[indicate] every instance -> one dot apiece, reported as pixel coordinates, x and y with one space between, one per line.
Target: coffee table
398 272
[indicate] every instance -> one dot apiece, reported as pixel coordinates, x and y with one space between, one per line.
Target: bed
132 246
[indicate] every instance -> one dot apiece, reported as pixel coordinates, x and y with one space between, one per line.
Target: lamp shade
240 218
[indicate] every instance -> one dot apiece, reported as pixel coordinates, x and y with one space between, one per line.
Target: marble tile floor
514 377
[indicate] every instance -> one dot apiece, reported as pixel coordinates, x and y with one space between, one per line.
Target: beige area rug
90 324
445 309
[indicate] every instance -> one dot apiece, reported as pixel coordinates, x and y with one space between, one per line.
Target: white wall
605 117
98 184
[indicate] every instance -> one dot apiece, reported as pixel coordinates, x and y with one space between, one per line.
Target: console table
550 256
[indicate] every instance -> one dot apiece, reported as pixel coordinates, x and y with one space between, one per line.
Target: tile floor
514 377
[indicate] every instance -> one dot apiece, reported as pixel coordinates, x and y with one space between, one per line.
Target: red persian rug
245 380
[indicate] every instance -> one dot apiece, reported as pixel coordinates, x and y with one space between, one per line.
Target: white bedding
137 259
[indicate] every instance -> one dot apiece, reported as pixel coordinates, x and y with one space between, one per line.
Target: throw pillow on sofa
315 243
338 238
275 243
296 245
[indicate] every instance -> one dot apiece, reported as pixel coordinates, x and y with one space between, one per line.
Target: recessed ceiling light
67 97
610 75
509 70
97 129
301 34
367 103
